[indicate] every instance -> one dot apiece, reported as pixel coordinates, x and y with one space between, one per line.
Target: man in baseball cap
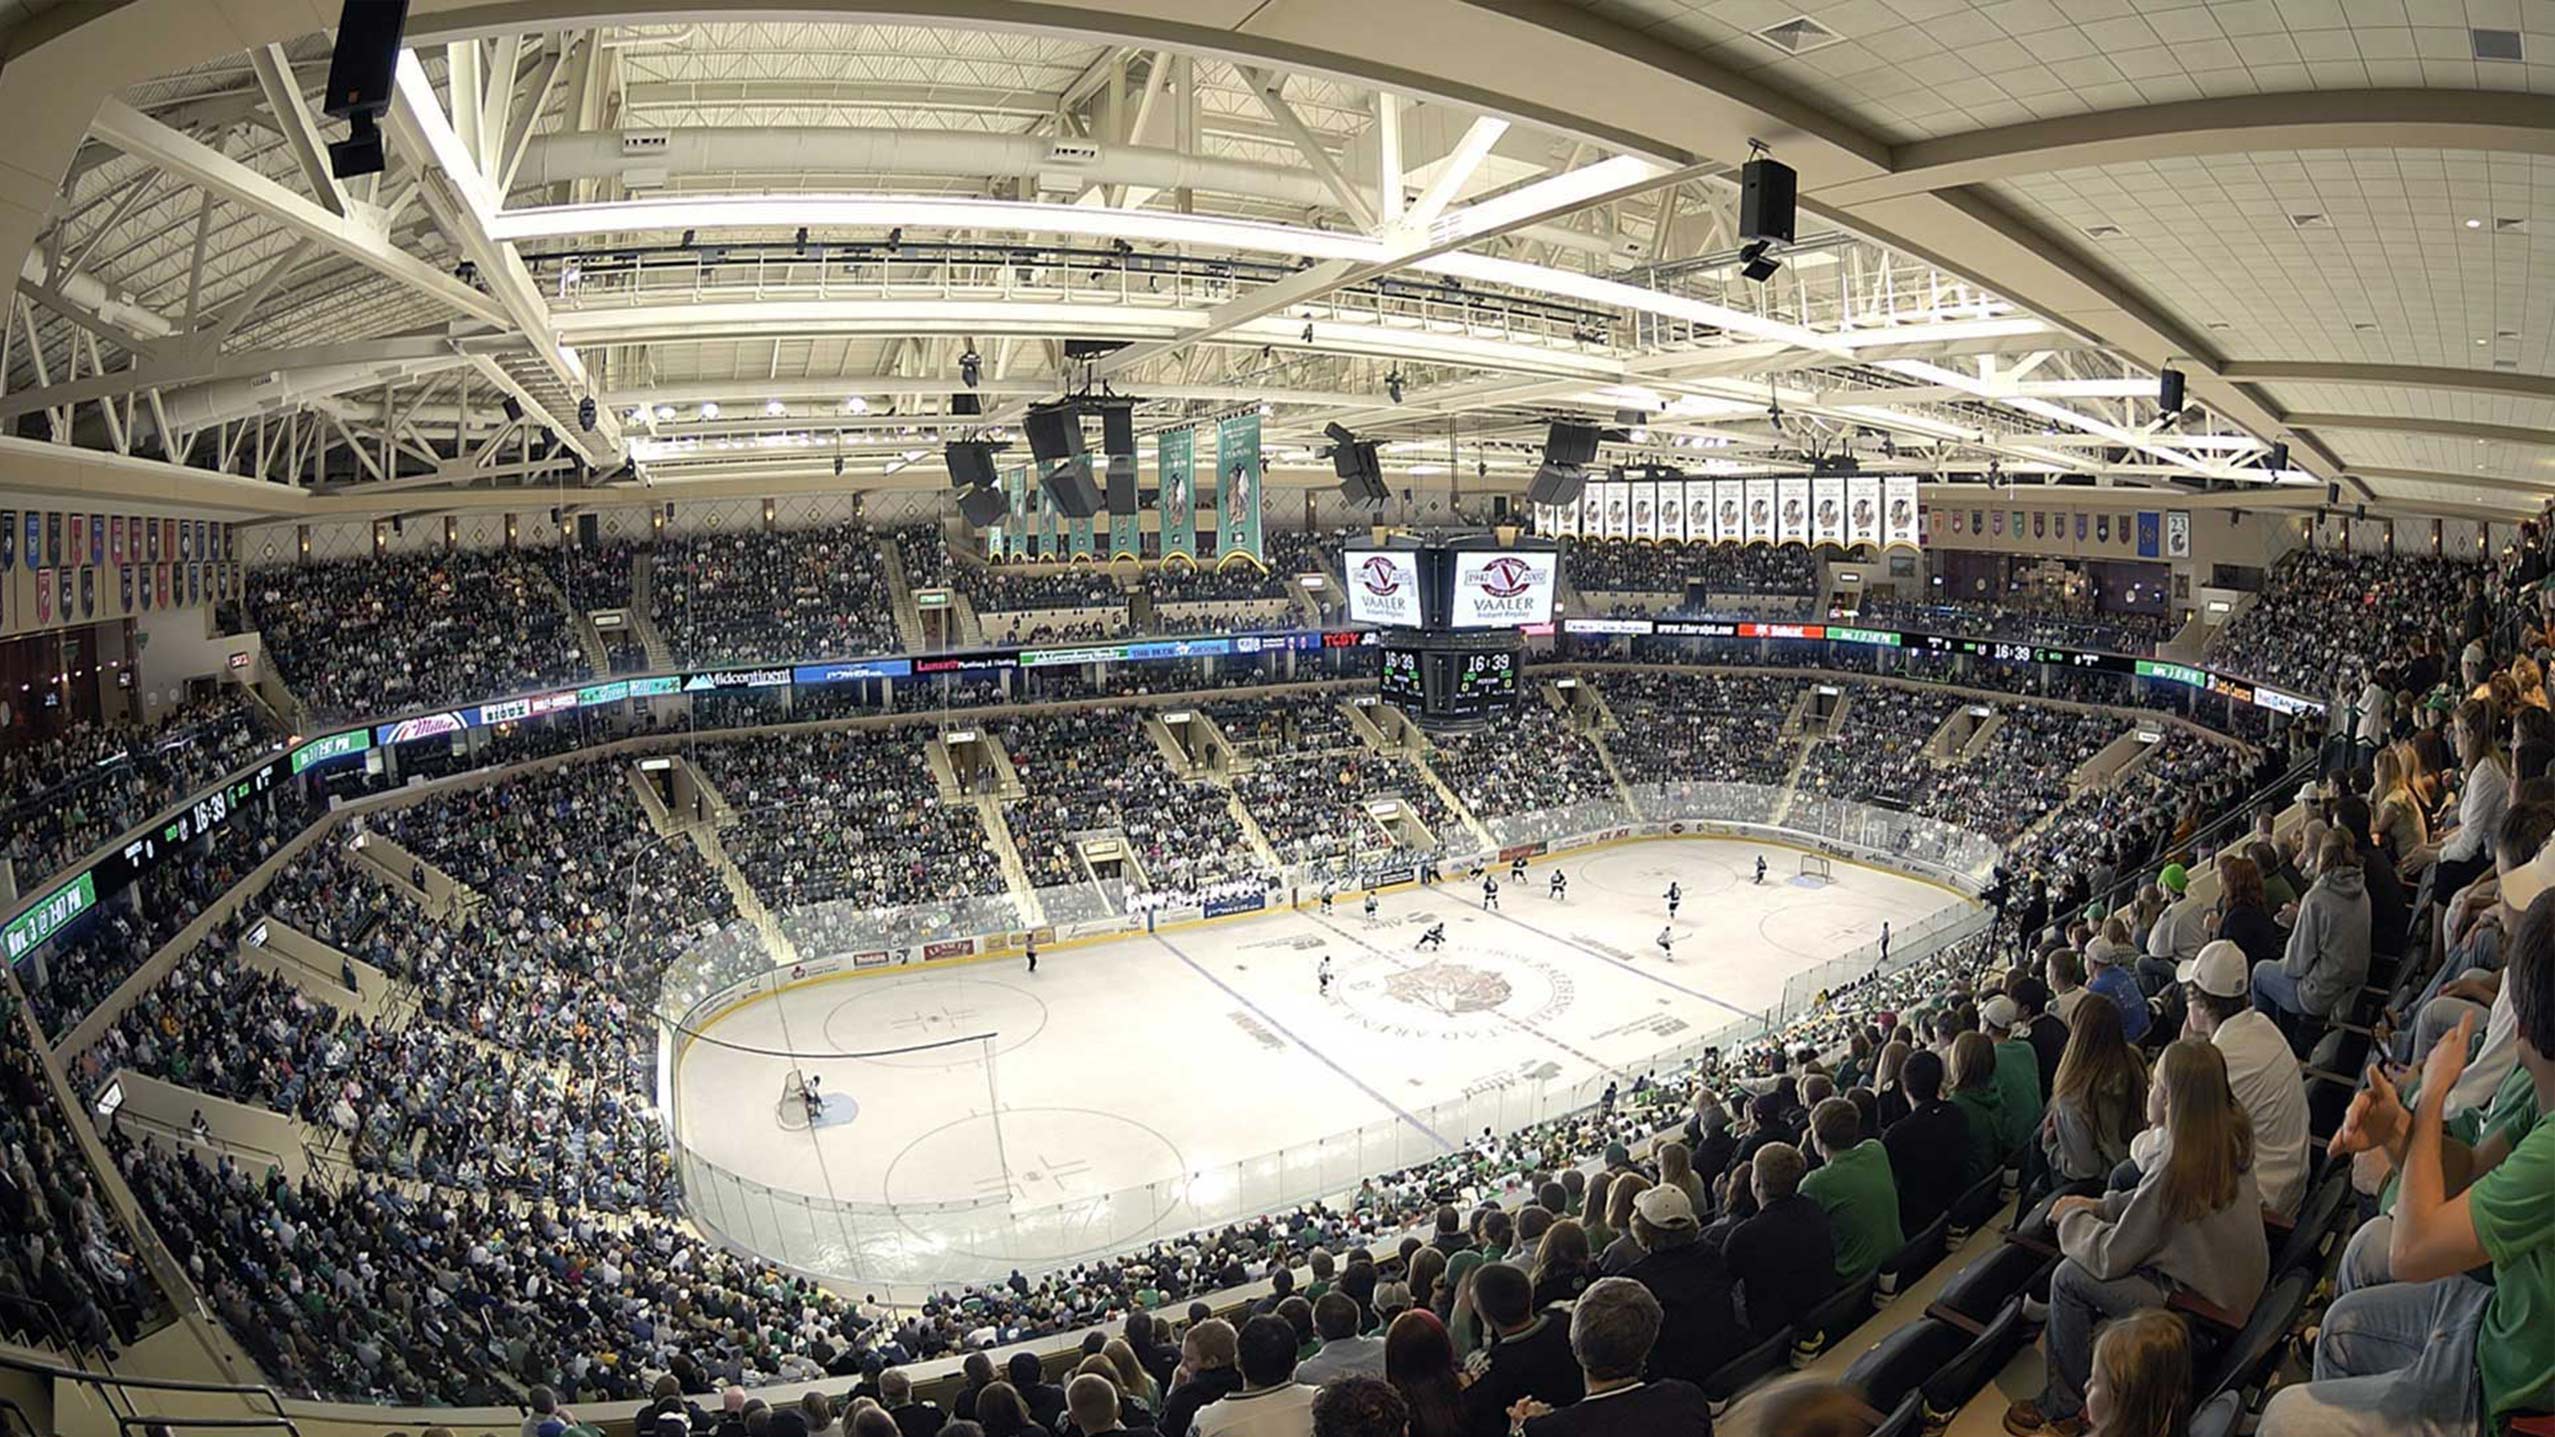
1698 1297
2179 931
2261 1070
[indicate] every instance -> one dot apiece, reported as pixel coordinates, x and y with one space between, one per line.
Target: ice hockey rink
1154 1084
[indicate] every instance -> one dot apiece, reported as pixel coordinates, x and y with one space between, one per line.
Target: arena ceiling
766 239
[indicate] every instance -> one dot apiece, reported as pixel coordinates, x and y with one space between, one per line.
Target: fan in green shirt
1982 1106
2017 1074
1853 1185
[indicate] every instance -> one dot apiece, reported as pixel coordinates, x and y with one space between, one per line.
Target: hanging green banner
1015 529
1126 538
1237 491
1051 525
1176 452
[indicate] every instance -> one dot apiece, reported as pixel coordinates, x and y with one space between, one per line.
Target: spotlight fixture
971 367
709 409
664 413
838 466
2277 461
775 408
1308 331
513 408
1393 385
895 239
1756 263
587 414
855 404
690 238
799 242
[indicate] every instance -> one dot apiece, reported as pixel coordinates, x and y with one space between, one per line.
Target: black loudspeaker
1766 193
1360 472
1572 444
980 507
364 67
1055 432
1118 430
1069 488
966 405
1557 484
589 530
2169 390
1122 484
971 464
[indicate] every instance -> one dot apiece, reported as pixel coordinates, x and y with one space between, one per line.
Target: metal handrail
110 1385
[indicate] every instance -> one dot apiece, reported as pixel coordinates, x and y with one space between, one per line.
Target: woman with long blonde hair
2395 811
2193 1223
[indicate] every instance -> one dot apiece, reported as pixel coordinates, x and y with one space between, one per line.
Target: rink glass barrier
907 1249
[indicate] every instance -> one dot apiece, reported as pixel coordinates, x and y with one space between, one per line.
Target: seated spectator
1345 1352
1563 1265
2107 972
2140 1385
2018 1091
1917 1144
1982 1106
1614 1333
2326 961
1528 1357
1692 1283
1419 1362
1045 1400
1270 1403
2433 1350
1784 1257
1360 1407
2099 1102
1854 1187
914 1417
2194 1221
2261 1069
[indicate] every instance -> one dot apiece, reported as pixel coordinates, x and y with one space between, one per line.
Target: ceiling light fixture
775 408
709 409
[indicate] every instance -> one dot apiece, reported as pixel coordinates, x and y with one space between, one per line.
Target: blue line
1263 1015
1625 965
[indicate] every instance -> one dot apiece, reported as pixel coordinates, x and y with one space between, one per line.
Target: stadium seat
1909 1264
2241 1361
1959 1379
1899 1363
2304 1239
1830 1320
1734 1376
1972 1210
1907 1421
1979 1291
2218 1416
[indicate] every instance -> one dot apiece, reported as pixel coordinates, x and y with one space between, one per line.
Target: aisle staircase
1261 849
900 595
1418 761
589 641
1015 874
643 612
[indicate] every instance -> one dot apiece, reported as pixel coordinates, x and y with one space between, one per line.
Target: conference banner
1863 509
1175 461
1645 510
79 538
1827 510
8 540
1237 494
53 536
1898 510
97 540
1792 511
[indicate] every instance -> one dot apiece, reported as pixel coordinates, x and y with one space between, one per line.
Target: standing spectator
2044 1030
2018 1086
1691 1283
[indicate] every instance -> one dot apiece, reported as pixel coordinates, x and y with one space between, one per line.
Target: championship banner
164 585
150 531
124 585
35 538
1592 512
2150 537
53 536
1898 510
1645 510
1760 511
1672 511
1175 460
1618 510
8 540
97 539
1730 506
44 595
1827 510
79 537
1863 509
1237 494
1792 511
168 538
186 539
88 593
62 576
115 539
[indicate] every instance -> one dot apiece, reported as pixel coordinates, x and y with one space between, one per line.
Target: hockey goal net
792 1110
1816 866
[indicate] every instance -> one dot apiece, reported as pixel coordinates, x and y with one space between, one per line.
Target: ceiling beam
2511 383
283 91
2408 424
1268 87
1457 170
2290 120
199 164
2494 482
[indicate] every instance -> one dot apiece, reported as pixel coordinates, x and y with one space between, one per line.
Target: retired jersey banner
1792 511
1760 511
1618 510
1863 509
1672 511
1175 461
1898 510
1697 499
1730 511
1237 491
1592 512
1827 510
1645 510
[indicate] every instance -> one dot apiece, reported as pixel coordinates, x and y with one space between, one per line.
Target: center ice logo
1379 577
1506 578
1449 988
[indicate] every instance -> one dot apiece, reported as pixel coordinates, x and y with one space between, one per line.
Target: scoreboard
1452 610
